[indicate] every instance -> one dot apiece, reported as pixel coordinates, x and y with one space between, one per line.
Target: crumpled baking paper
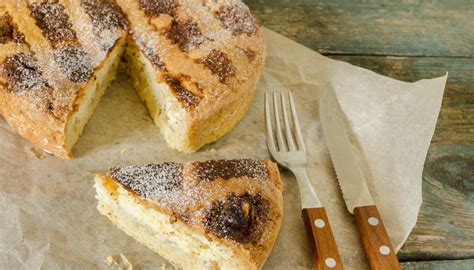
48 218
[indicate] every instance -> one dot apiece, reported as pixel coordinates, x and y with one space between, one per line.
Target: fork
287 148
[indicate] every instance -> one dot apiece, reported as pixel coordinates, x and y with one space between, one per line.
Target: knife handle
325 252
375 239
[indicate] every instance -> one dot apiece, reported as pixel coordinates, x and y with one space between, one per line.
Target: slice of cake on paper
217 214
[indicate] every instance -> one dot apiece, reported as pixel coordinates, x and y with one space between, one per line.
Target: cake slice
217 214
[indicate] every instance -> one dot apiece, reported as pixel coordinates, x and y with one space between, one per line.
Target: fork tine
268 122
279 133
289 133
299 136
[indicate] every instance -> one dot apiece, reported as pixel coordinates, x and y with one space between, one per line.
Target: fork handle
325 252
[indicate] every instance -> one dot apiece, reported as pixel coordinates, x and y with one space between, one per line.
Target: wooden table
408 41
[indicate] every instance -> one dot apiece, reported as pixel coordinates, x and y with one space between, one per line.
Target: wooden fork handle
325 252
377 246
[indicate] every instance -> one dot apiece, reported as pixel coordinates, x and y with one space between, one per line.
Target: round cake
195 64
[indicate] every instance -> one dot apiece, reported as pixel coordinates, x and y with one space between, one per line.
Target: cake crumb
126 262
118 263
39 154
110 260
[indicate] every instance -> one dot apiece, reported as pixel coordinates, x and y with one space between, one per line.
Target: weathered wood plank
456 119
440 265
411 28
445 227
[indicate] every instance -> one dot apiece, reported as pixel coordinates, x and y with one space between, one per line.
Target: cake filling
164 105
91 94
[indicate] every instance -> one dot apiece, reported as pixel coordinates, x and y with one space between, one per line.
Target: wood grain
440 265
378 248
445 227
411 28
325 252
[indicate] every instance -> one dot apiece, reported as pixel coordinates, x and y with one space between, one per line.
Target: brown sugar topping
54 22
185 97
74 62
185 33
23 73
105 15
225 169
153 8
237 18
239 218
9 30
150 181
219 64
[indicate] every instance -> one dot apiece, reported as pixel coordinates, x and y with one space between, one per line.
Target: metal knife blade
348 160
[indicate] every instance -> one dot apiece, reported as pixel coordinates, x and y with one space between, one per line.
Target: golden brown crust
235 202
39 102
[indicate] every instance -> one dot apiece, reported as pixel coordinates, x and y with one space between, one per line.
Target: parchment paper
48 218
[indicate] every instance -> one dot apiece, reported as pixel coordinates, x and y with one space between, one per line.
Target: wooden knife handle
325 252
375 239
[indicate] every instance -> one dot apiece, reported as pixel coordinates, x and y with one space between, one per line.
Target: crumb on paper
126 262
39 154
123 151
118 262
110 260
163 266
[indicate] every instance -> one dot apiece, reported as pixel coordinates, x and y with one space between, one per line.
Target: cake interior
163 106
175 241
91 93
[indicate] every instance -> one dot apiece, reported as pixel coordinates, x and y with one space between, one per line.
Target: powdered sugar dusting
53 20
23 73
184 96
150 181
185 33
74 62
154 8
105 15
150 54
219 64
237 18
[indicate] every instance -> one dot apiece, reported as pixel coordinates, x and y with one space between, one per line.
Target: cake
216 214
56 60
195 64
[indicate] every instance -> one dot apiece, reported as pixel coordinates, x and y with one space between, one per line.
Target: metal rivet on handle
384 250
330 262
319 223
373 221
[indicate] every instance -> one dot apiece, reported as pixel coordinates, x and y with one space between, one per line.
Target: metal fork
285 144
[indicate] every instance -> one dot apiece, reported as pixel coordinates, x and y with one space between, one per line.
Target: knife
352 172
